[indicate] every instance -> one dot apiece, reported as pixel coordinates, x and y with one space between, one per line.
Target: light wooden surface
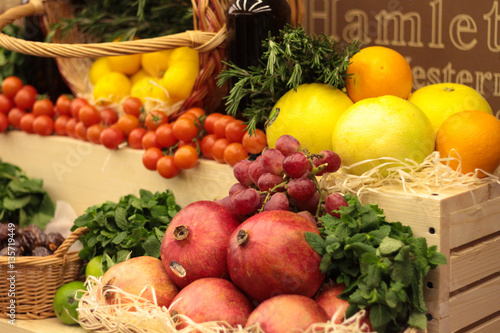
49 325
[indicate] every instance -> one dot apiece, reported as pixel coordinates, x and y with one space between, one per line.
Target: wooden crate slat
492 325
474 263
470 306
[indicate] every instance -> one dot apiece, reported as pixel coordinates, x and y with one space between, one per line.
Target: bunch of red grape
284 178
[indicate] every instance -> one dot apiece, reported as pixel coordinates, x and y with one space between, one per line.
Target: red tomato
234 153
11 85
149 140
166 167
132 105
60 124
43 125
127 122
5 104
94 133
81 131
4 122
76 104
220 125
218 149
151 157
89 115
197 111
154 119
108 116
235 130
112 137
26 123
210 121
14 116
186 157
71 127
43 106
135 137
185 129
26 97
255 143
63 105
165 135
206 145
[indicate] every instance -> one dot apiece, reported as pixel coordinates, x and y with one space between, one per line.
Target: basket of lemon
170 72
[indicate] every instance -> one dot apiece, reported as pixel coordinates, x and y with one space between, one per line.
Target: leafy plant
289 60
12 63
382 265
105 21
23 200
133 226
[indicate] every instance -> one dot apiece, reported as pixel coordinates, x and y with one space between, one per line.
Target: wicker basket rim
202 41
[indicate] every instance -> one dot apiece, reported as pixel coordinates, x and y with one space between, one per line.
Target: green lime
94 267
66 301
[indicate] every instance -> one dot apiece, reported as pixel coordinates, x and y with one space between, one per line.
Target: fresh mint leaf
152 246
389 246
380 316
417 320
316 242
121 218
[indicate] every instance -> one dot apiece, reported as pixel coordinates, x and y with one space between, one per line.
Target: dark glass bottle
249 22
43 73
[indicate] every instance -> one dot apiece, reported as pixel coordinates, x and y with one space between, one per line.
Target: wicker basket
74 56
37 280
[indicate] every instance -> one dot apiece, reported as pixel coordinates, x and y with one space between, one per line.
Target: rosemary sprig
289 60
105 21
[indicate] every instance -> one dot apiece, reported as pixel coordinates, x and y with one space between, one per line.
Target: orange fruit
472 139
377 71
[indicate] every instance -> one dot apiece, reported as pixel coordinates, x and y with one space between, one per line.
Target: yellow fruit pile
385 122
159 79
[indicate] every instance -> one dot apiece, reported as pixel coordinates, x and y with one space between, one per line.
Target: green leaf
380 316
121 218
325 263
316 242
152 246
417 320
119 237
389 246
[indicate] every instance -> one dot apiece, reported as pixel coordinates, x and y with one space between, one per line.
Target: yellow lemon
179 79
149 88
309 114
111 88
441 100
99 68
156 63
141 74
386 126
126 64
184 53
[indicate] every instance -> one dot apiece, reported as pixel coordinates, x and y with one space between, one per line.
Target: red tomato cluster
169 146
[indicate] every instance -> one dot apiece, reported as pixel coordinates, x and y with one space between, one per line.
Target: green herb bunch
23 200
13 63
290 59
132 227
107 20
381 264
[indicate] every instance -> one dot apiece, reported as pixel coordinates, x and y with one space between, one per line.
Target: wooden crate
464 295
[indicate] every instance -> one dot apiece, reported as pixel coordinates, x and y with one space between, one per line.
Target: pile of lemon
163 78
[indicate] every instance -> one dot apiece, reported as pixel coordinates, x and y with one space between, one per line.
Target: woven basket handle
69 241
200 40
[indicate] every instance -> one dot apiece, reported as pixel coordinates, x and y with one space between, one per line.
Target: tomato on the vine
155 118
210 121
185 129
94 133
206 145
165 135
109 116
127 122
25 98
43 106
5 104
89 115
218 149
254 143
149 140
132 105
11 85
186 157
112 137
135 136
60 124
220 125
4 122
76 104
26 123
235 130
166 167
71 127
81 131
197 111
14 116
150 157
234 153
43 125
63 105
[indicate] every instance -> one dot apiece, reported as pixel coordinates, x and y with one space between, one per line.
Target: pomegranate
287 313
268 255
195 242
141 276
336 307
211 299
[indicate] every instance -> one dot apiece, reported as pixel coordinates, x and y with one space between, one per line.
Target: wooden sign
443 40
